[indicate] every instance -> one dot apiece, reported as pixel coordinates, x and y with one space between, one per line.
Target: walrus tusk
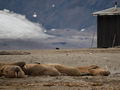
25 67
106 67
16 74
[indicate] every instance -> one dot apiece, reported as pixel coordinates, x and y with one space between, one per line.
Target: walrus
70 71
39 69
94 70
11 71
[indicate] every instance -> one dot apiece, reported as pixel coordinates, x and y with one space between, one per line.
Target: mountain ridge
69 21
65 13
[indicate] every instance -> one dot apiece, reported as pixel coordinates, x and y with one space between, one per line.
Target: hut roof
110 11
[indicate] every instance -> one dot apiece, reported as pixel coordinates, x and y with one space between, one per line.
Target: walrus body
94 70
70 71
98 71
11 71
38 69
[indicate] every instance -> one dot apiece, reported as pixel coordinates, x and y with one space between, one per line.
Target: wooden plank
117 28
105 31
118 24
111 30
99 32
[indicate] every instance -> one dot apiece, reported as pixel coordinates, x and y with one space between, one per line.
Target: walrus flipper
63 74
85 74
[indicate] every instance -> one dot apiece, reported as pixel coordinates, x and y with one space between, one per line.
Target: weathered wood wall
108 27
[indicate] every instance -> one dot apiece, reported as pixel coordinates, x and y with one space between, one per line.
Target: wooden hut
108 27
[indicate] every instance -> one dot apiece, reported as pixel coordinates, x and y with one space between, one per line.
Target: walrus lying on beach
38 69
94 70
70 71
11 71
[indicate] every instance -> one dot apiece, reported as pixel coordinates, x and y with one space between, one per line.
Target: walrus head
12 71
106 73
17 70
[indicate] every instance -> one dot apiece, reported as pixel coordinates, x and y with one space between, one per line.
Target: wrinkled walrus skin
11 71
94 70
70 71
38 70
98 71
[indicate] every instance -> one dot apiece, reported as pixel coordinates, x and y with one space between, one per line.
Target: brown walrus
70 71
11 71
38 69
94 70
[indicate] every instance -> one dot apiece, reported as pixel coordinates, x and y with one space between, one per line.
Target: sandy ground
72 58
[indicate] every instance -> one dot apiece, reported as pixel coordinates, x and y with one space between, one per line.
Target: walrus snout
107 73
17 70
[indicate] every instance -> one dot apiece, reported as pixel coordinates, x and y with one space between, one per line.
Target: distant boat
34 15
